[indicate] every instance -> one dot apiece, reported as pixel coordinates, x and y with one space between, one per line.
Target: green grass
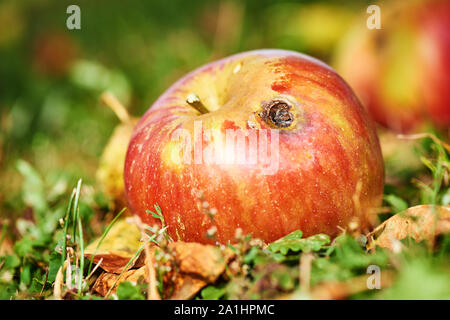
29 271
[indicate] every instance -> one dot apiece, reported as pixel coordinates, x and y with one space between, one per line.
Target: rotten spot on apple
280 116
278 112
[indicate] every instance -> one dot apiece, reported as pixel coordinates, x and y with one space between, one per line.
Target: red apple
401 72
323 170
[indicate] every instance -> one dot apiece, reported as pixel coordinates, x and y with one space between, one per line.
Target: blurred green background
51 77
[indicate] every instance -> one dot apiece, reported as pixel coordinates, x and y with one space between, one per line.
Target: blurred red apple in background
304 154
401 72
54 53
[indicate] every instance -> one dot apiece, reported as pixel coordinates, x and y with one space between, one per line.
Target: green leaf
11 262
93 76
25 274
33 187
397 203
91 297
287 282
36 284
324 270
278 257
53 267
350 255
294 242
251 255
24 247
212 293
8 291
128 291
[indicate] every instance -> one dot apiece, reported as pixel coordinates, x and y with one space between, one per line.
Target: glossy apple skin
330 165
401 73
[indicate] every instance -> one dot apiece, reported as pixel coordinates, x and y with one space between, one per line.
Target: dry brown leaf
204 261
106 280
6 247
117 248
115 263
197 265
186 287
59 280
422 222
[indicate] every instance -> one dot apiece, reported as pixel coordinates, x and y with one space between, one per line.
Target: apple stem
194 101
111 101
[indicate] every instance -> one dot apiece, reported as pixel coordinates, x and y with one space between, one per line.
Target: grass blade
75 208
66 228
81 245
108 228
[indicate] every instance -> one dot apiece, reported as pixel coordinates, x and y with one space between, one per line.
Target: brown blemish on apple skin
280 116
279 113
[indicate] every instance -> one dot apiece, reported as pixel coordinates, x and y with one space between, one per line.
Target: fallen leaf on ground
6 246
422 222
106 280
204 261
186 287
196 266
117 248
